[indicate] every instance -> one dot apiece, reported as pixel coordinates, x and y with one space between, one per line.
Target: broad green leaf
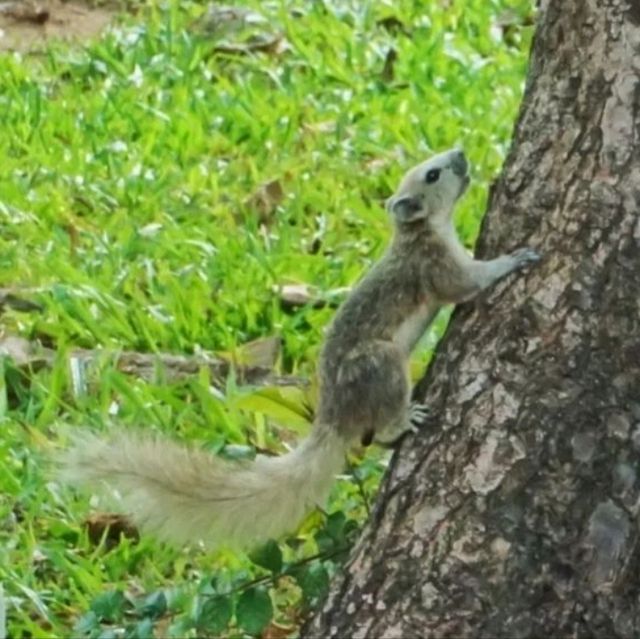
154 605
261 353
214 613
88 622
109 606
335 525
254 610
336 534
268 556
142 630
181 627
313 580
285 405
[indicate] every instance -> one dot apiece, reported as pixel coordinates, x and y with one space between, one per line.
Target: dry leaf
13 298
25 353
274 45
266 200
222 20
276 631
296 295
315 246
74 239
507 25
392 24
38 557
25 12
293 296
261 353
239 31
511 18
378 163
388 73
324 127
110 526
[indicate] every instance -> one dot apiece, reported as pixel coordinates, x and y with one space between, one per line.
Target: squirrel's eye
432 176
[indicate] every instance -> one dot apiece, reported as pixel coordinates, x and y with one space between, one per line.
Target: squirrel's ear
405 208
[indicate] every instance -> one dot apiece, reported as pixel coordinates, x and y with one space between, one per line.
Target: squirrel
185 495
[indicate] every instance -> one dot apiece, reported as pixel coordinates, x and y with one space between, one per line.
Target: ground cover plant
189 183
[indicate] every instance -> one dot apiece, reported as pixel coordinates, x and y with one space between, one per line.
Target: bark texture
516 513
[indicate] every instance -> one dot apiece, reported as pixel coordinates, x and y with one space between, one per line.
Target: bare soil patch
26 25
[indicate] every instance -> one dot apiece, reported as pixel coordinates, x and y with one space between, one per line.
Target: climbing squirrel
184 495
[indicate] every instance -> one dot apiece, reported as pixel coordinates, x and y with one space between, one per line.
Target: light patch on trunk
467 548
395 632
473 388
505 405
617 120
500 548
430 595
428 518
496 457
607 541
362 631
549 294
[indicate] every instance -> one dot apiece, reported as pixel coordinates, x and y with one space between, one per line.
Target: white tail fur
185 495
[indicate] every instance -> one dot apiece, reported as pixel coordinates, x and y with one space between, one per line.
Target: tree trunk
516 513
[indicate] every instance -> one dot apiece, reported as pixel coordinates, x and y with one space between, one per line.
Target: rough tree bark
516 514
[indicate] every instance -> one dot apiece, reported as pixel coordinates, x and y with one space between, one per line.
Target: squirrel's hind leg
371 391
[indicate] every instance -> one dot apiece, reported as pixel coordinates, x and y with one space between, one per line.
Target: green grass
126 168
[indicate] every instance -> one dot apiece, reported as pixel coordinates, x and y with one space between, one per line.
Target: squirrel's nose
459 164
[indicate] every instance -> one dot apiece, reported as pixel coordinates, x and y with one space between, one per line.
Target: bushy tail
184 495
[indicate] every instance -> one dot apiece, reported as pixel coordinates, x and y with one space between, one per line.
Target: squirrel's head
429 191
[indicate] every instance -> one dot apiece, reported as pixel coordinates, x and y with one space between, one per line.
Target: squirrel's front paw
418 414
524 257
